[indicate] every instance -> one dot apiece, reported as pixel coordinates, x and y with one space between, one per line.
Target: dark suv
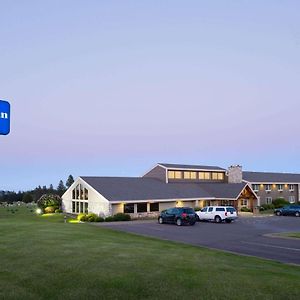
178 215
288 210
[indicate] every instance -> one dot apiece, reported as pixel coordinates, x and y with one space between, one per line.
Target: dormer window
174 174
280 187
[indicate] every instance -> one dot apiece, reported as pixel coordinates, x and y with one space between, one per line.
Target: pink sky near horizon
101 88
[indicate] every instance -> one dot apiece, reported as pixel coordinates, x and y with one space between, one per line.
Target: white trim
169 200
200 170
79 180
272 182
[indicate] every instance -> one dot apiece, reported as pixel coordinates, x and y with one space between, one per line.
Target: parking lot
247 235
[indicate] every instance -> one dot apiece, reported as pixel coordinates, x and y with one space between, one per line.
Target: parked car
217 214
288 210
178 215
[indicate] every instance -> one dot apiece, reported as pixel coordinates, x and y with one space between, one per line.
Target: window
80 193
220 176
86 194
215 176
171 174
268 187
210 209
268 200
244 202
220 209
201 175
187 175
129 208
193 175
280 188
86 207
142 207
291 187
154 206
292 199
255 187
207 175
73 207
174 174
204 209
178 175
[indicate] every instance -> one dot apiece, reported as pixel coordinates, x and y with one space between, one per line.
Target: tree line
35 194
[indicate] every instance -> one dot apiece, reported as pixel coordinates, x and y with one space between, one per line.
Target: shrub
49 210
81 217
197 208
99 219
280 202
121 217
49 200
266 207
246 209
109 219
58 211
91 217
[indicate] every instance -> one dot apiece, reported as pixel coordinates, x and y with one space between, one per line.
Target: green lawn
290 234
44 258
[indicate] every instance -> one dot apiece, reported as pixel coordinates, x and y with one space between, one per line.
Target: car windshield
188 211
230 209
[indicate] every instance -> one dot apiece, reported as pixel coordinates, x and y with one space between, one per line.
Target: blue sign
4 117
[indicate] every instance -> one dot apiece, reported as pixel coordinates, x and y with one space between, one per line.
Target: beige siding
166 205
117 208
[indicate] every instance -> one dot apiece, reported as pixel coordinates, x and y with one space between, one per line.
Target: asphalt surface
247 236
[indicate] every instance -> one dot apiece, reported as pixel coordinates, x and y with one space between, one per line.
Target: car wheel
228 221
278 213
178 222
218 219
160 220
297 214
197 218
192 223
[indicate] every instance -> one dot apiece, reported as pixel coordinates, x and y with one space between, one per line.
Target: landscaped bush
49 200
49 210
99 219
266 207
197 208
91 217
280 202
81 217
121 217
246 209
58 211
109 219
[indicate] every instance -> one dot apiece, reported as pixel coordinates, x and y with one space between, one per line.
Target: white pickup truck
217 214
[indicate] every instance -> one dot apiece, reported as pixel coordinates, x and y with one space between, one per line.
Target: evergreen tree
27 198
61 187
69 181
51 187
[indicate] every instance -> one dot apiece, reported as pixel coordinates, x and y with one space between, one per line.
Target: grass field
290 234
44 258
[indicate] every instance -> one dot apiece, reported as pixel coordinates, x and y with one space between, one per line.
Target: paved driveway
245 236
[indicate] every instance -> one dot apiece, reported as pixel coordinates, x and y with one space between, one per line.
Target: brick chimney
235 174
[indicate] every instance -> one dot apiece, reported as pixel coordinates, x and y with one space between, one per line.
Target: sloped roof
141 188
271 177
188 167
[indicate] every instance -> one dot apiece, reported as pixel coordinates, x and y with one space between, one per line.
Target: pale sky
112 87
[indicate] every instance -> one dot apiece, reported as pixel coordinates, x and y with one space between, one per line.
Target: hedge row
94 218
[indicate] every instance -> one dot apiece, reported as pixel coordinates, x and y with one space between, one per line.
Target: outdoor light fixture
38 211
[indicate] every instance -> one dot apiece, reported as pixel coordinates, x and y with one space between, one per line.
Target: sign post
4 117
